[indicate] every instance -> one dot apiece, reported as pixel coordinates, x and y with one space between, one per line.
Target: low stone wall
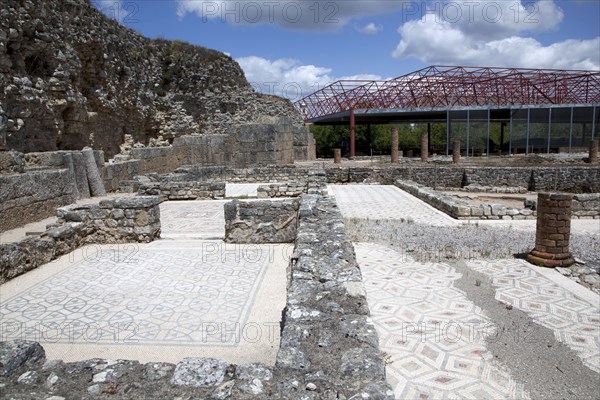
315 183
566 179
120 220
285 189
584 205
461 210
183 190
327 337
261 221
269 173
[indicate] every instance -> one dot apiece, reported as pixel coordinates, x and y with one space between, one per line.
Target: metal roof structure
452 87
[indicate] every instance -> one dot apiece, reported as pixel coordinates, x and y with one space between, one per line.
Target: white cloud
503 44
293 14
369 29
288 78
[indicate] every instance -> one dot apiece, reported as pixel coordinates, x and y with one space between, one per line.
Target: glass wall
524 130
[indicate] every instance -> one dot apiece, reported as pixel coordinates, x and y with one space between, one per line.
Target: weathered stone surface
364 362
223 391
292 358
187 190
32 196
18 258
14 354
261 221
200 372
29 378
69 85
11 162
136 202
252 378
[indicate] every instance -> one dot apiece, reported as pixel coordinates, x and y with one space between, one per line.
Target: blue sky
288 46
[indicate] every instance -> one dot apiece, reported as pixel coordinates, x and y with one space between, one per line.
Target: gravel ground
470 241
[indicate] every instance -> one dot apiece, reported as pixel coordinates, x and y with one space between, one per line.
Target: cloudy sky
291 48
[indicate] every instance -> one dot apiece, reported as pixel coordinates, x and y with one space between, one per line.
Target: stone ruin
81 115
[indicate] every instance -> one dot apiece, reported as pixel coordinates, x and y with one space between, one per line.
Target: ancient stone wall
567 179
262 221
168 190
120 220
327 337
32 185
305 147
284 189
261 144
32 196
268 173
586 206
315 183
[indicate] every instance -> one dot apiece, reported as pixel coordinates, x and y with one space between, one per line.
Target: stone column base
550 260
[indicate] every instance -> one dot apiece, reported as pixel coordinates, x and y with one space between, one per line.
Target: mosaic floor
574 320
434 337
386 202
161 301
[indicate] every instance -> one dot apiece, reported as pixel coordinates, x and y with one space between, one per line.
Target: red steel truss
446 86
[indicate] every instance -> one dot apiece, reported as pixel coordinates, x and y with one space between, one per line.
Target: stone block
14 354
135 202
200 372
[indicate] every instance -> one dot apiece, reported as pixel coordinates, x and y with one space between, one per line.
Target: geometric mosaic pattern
202 219
386 202
575 322
433 335
174 293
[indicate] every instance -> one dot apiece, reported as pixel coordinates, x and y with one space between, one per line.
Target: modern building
538 110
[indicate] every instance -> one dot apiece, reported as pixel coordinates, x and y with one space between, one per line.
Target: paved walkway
162 301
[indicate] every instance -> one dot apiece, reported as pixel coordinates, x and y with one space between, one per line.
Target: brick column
593 157
337 156
424 146
553 231
456 151
394 145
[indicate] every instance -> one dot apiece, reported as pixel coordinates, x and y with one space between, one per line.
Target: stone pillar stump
424 146
456 151
337 156
394 145
553 231
593 157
